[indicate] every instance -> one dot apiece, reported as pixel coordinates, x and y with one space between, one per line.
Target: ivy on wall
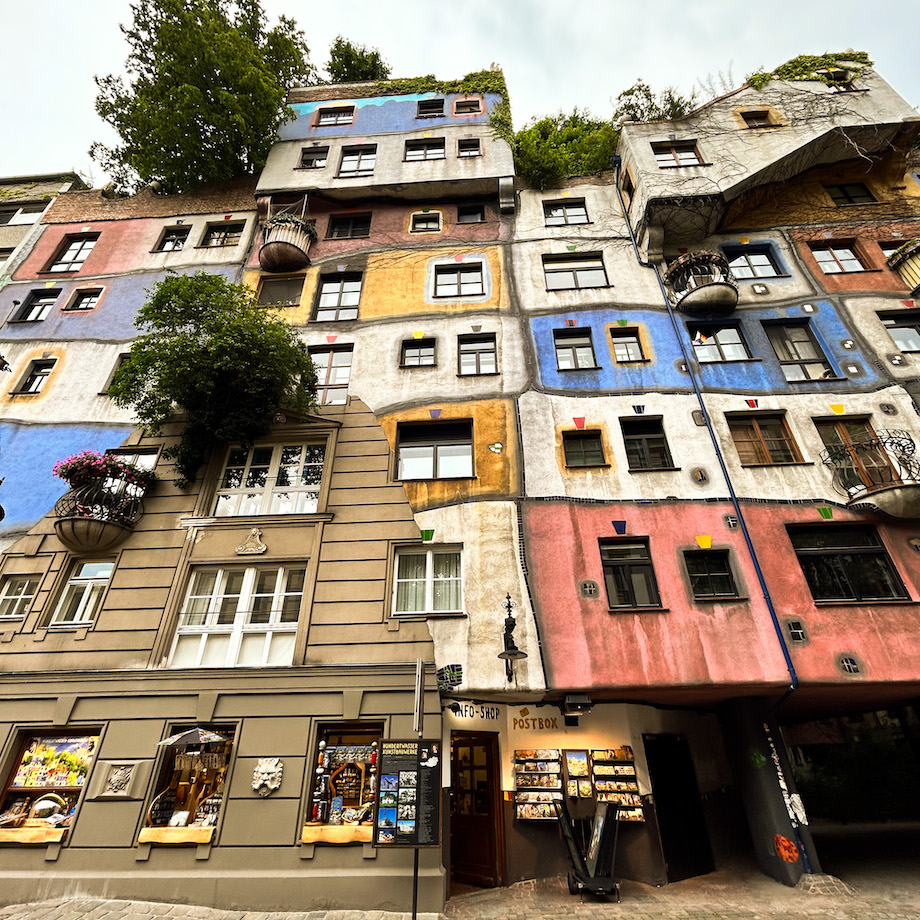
808 67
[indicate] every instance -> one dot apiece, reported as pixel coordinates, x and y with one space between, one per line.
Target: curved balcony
701 284
286 242
906 261
882 471
95 517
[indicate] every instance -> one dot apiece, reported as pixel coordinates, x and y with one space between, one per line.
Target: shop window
82 596
271 479
191 786
763 440
430 108
340 115
173 239
477 354
800 355
574 272
469 147
42 792
462 281
752 262
436 450
348 226
627 346
676 153
567 211
583 448
646 444
429 581
314 157
35 377
850 193
333 371
338 298
239 617
358 161
471 213
17 595
425 222
228 233
37 306
710 574
574 349
83 300
467 107
417 353
280 292
73 253
846 563
836 258
713 344
628 574
904 328
431 148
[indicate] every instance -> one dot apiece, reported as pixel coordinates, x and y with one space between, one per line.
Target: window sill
426 160
485 374
595 287
221 246
357 175
587 466
32 836
421 616
342 834
761 278
569 370
166 252
249 520
655 469
24 321
633 361
818 380
176 836
721 599
307 168
683 165
68 627
754 466
896 601
613 610
66 271
584 223
858 271
730 361
21 393
413 367
440 479
353 236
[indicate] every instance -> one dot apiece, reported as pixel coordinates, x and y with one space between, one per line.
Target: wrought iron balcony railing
701 283
95 517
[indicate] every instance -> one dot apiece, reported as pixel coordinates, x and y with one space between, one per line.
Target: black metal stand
415 886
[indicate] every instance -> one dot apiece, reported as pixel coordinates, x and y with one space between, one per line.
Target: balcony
881 471
701 284
97 516
286 240
906 261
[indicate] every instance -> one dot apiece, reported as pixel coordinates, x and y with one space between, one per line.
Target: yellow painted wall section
495 453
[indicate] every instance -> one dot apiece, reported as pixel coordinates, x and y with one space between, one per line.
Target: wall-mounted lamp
510 653
573 706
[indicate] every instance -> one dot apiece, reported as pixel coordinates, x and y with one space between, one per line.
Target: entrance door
475 810
684 838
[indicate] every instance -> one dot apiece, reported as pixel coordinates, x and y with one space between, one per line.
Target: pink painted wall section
688 645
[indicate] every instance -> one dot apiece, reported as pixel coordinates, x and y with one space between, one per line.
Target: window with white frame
27 214
73 253
435 450
477 354
425 222
37 306
431 148
752 262
340 115
239 617
836 258
271 479
82 597
676 153
17 594
83 300
428 581
333 371
567 211
358 161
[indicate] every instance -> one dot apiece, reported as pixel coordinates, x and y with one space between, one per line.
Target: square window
800 355
333 371
676 153
348 226
846 563
646 444
430 108
763 440
27 214
904 328
73 253
627 347
358 161
574 349
759 118
271 479
425 222
173 239
17 595
340 115
37 306
429 581
836 258
583 448
35 377
280 292
850 193
314 157
469 147
471 213
439 450
83 300
477 355
228 233
427 149
628 574
338 297
567 211
462 281
467 107
796 630
571 272
82 597
417 353
752 262
710 574
718 343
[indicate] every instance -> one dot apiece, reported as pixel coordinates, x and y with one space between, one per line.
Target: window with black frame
628 573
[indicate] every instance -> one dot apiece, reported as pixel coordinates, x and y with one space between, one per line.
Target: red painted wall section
686 645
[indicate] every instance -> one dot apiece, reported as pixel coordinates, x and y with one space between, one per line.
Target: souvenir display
614 776
345 785
537 783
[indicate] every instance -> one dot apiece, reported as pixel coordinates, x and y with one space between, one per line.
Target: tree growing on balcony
210 353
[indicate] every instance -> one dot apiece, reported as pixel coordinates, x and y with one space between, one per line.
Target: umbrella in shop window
190 737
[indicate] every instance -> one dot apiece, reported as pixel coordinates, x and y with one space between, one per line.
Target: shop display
614 777
345 785
537 783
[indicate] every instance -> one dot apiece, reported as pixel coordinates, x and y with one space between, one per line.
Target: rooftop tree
351 63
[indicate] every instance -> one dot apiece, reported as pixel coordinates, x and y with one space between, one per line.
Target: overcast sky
556 54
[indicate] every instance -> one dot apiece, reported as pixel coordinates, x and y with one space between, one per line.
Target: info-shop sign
409 794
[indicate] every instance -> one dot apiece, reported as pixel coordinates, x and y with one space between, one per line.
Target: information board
409 794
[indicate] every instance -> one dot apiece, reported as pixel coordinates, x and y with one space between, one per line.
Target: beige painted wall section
864 312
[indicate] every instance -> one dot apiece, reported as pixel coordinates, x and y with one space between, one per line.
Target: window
428 149
718 343
467 107
835 259
759 118
904 328
314 157
428 581
626 345
35 377
645 443
471 213
574 349
430 108
477 355
462 281
282 292
5 255
571 211
83 595
17 595
417 353
73 253
84 300
763 440
710 574
469 147
628 574
846 563
342 115
571 272
425 222
338 296
860 461
676 153
119 361
348 226
890 247
850 193
37 306
439 450
238 617
583 448
27 214
173 239
752 262
333 371
358 161
796 630
799 353
225 234
271 479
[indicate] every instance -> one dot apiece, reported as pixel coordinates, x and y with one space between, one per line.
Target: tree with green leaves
639 103
206 92
209 352
352 63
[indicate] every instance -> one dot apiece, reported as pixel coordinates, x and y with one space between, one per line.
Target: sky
556 54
